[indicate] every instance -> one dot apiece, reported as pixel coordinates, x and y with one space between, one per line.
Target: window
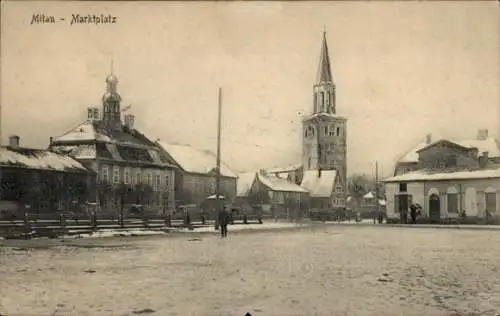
309 132
126 176
150 179
402 187
332 130
60 205
116 174
309 162
328 99
326 130
138 176
322 100
491 201
315 102
158 179
452 202
105 174
167 180
338 131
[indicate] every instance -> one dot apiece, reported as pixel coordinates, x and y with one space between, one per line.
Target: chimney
428 139
319 173
14 141
51 139
482 134
129 121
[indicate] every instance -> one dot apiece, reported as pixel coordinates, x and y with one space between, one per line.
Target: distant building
196 173
129 165
276 196
42 180
292 173
448 177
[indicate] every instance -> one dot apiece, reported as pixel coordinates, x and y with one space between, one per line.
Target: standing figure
223 222
413 213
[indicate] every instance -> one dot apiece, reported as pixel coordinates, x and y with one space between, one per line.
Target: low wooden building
278 197
42 180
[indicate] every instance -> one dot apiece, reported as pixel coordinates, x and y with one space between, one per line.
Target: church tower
111 113
324 132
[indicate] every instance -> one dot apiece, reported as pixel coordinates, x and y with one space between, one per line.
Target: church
323 171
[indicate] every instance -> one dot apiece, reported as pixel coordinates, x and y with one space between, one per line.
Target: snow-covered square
310 270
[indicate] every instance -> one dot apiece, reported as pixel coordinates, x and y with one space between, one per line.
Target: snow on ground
321 270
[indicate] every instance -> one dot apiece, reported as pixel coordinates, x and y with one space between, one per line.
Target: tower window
338 131
332 130
322 100
326 130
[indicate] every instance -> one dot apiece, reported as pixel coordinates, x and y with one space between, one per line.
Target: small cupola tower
324 89
111 103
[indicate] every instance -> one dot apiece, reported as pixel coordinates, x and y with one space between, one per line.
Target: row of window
328 130
325 99
339 201
133 176
453 205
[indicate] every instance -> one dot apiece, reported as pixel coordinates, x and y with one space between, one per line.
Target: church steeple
324 89
324 70
111 103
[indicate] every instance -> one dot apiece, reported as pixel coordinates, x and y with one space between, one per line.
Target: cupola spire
324 70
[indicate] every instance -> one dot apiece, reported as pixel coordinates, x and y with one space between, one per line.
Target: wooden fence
48 225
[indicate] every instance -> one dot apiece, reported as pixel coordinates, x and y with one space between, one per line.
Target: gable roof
321 187
195 160
443 141
290 168
244 183
39 159
490 145
279 185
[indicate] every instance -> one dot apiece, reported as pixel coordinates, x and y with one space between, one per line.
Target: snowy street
321 270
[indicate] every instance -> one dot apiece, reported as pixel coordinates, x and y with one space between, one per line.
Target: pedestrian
413 213
223 222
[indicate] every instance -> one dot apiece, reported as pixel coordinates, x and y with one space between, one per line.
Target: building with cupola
130 169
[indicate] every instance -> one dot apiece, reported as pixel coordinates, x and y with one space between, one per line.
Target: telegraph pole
376 188
217 175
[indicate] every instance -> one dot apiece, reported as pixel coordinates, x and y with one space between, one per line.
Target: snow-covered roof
290 168
195 160
277 184
423 175
82 132
319 186
382 202
78 151
39 159
489 144
213 197
244 183
368 195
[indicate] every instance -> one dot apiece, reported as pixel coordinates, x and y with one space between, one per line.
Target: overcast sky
402 70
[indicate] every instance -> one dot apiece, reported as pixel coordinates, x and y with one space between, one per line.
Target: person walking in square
223 222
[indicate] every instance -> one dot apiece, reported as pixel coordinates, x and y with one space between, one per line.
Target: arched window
322 100
327 99
452 200
315 102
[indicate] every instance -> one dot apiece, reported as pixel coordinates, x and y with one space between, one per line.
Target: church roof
195 160
321 187
279 185
324 69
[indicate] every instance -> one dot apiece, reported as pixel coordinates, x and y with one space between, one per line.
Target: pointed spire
324 70
112 66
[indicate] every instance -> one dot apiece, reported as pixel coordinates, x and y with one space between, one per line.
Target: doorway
434 208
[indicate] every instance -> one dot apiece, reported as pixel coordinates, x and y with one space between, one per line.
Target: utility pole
376 189
217 175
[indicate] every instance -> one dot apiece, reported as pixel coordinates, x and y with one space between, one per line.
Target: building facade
325 132
129 166
447 179
43 181
196 174
325 189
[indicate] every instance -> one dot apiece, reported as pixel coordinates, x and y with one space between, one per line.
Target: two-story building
448 178
41 180
129 165
196 173
280 197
